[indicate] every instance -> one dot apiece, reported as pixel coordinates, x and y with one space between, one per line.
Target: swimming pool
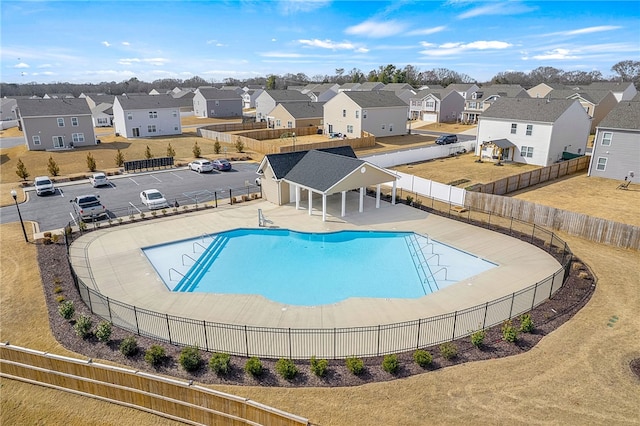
311 269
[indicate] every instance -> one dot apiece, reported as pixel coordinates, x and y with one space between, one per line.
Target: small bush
239 146
477 338
60 298
526 323
147 153
66 309
390 363
423 358
129 346
286 368
57 289
220 363
253 366
355 365
154 355
170 151
190 358
82 327
21 170
409 200
91 163
103 331
216 146
55 238
509 332
319 366
119 159
448 350
52 166
196 150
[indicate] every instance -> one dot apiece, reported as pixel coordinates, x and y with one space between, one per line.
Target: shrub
390 364
422 358
147 153
286 368
448 350
477 338
409 200
190 358
196 150
319 366
103 331
220 363
526 323
253 366
154 355
129 346
119 159
82 327
21 170
355 365
239 146
91 163
66 309
57 289
60 298
55 238
216 146
52 166
509 332
170 151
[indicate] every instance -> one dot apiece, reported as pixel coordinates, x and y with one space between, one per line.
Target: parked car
201 166
446 139
153 199
222 164
88 207
44 185
98 179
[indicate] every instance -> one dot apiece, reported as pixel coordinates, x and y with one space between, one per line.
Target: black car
446 139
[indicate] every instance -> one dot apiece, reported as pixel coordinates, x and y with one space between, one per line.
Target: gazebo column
344 204
324 207
393 193
377 196
310 201
297 197
361 208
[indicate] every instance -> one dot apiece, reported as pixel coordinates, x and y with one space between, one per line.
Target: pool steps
201 265
421 262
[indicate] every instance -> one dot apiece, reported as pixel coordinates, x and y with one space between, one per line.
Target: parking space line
154 176
178 176
61 192
134 181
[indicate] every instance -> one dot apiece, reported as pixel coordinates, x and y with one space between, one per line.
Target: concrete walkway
111 261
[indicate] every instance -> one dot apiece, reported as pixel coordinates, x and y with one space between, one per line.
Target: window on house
217 103
514 128
129 116
103 121
289 124
364 113
77 137
278 123
430 105
349 128
606 138
58 141
175 128
60 122
344 112
383 126
174 113
151 128
36 140
74 121
357 114
153 114
529 129
526 151
602 164
391 127
472 105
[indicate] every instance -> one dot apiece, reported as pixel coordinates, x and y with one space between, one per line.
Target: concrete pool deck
110 260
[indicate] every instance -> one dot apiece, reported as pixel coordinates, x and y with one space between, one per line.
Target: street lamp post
14 194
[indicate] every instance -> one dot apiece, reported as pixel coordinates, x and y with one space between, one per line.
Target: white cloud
295 6
376 29
454 48
22 65
126 43
273 39
328 44
427 31
556 54
106 43
47 73
281 55
587 30
497 8
151 61
45 66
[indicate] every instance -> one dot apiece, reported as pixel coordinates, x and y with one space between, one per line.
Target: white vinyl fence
396 158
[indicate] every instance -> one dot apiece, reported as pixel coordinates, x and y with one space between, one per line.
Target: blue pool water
312 269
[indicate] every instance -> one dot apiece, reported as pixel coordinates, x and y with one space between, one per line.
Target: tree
52 166
147 153
170 151
21 170
271 82
119 158
628 71
91 163
196 150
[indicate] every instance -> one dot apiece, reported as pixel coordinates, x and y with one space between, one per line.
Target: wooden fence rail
174 399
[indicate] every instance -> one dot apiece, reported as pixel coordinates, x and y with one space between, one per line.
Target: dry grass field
577 375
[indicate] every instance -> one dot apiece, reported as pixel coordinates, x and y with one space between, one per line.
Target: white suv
44 185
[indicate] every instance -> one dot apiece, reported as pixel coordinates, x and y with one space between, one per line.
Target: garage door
430 117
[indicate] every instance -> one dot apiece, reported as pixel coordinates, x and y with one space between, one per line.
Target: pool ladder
200 266
422 263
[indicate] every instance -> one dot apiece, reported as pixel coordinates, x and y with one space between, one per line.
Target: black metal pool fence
339 343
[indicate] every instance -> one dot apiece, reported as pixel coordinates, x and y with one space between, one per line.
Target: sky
103 41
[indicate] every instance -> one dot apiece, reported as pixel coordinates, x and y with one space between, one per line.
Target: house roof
523 109
369 85
304 110
397 86
52 107
614 86
105 108
102 99
375 99
349 86
282 163
625 115
287 95
460 87
595 96
503 143
508 90
148 101
322 170
211 93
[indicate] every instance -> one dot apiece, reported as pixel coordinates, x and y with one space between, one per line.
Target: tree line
627 70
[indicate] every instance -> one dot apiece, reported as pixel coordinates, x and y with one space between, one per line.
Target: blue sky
94 41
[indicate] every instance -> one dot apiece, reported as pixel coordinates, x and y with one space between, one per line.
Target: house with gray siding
249 98
8 109
436 106
268 99
616 147
379 113
532 131
289 115
598 103
210 102
480 100
146 116
55 124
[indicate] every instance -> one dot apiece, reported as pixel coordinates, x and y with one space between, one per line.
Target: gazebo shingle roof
322 170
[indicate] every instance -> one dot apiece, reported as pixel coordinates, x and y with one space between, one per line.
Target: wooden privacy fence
534 177
174 399
584 226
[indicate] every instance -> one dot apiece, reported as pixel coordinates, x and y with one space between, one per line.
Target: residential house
185 100
146 116
436 106
50 124
478 101
616 147
397 87
289 115
94 99
58 96
249 98
8 109
598 103
379 113
268 99
321 92
346 87
464 89
543 89
214 103
102 115
623 91
369 86
532 131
